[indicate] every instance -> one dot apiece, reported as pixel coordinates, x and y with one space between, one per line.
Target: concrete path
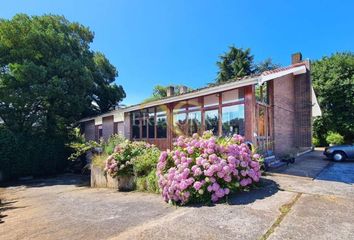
306 201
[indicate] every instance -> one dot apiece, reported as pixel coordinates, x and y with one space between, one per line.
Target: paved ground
312 199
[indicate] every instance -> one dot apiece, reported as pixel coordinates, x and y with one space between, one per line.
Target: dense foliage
334 138
49 78
333 82
238 63
206 169
137 159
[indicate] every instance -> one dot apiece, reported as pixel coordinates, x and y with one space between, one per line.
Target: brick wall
303 110
292 111
89 130
107 127
284 114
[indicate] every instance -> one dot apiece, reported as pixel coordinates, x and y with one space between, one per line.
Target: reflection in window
233 96
135 121
211 120
262 93
233 120
180 124
151 122
161 122
144 123
194 122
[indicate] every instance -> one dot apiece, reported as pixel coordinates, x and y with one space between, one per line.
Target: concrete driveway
306 200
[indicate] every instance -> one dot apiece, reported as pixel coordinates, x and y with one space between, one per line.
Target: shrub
131 158
146 162
135 158
206 169
316 142
114 140
152 182
334 138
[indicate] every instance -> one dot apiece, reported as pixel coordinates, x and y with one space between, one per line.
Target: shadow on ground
5 206
266 188
64 179
263 190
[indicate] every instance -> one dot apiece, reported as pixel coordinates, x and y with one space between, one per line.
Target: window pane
233 120
144 119
135 121
194 122
211 100
151 122
262 93
233 95
161 123
211 121
180 124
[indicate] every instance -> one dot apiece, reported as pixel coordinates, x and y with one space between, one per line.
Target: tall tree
236 63
48 74
333 82
265 65
49 78
106 94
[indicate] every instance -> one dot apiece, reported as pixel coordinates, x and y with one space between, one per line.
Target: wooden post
250 112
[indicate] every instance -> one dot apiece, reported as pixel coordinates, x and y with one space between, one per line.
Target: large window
233 120
161 122
212 120
180 119
151 122
144 123
195 122
135 121
262 93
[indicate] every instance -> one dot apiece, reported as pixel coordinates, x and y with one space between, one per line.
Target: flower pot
125 183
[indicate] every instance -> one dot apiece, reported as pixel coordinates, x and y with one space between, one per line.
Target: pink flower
197 185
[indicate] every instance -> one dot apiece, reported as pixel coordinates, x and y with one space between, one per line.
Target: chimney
183 89
296 58
170 91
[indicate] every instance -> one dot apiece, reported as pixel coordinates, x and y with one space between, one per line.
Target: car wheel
339 156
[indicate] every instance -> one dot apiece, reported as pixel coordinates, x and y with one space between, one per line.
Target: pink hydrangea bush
206 169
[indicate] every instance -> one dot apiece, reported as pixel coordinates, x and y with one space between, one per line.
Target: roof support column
250 113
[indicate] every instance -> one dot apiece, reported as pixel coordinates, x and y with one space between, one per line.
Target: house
273 110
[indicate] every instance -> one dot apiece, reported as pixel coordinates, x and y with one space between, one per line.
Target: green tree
236 63
105 93
333 82
49 78
265 65
160 91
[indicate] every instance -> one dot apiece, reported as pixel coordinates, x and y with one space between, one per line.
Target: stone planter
100 180
125 183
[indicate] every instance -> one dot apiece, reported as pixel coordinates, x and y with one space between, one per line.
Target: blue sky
165 42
